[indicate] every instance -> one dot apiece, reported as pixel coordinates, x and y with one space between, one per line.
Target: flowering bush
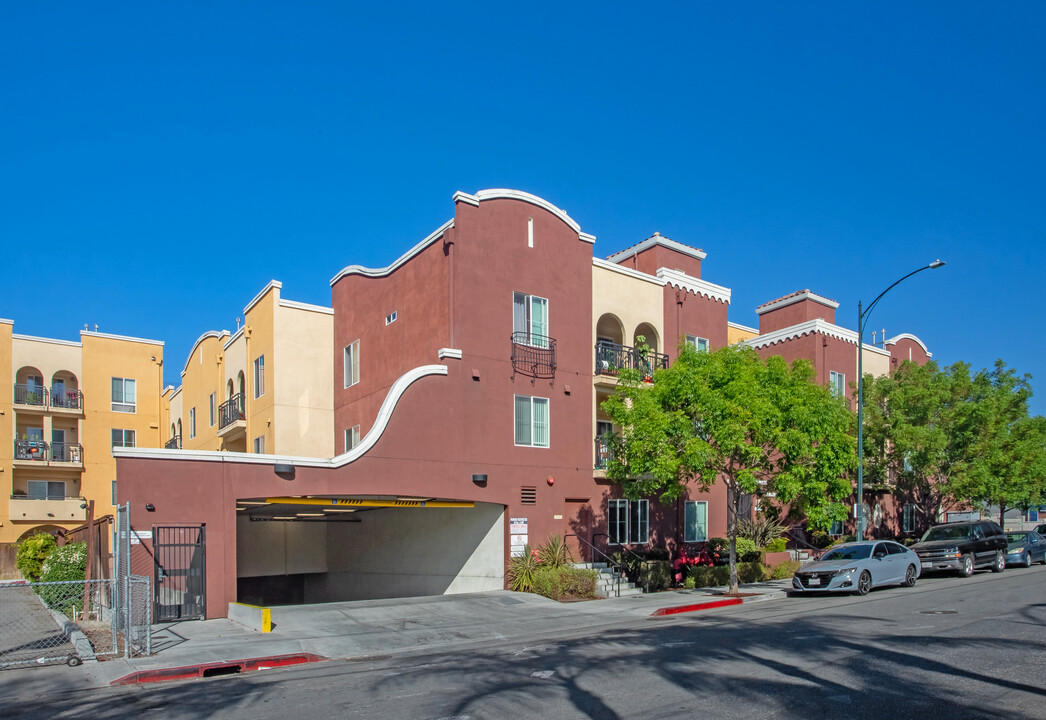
67 563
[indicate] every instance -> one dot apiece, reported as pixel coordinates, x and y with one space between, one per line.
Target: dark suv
962 547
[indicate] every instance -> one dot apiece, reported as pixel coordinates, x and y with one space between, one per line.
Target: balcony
31 451
174 443
603 454
611 358
31 396
48 509
62 399
533 355
67 453
232 418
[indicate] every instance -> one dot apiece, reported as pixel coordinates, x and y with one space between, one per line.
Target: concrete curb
711 604
212 669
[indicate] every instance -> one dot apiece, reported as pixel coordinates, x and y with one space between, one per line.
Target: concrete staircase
607 583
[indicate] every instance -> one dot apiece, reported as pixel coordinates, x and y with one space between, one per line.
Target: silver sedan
857 567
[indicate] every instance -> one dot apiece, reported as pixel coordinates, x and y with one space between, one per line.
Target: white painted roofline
294 305
234 336
389 269
31 338
815 326
658 240
695 285
368 441
219 334
909 336
791 300
739 326
108 336
257 298
621 269
507 194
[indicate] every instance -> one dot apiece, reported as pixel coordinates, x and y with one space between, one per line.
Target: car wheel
910 576
1000 562
967 566
864 583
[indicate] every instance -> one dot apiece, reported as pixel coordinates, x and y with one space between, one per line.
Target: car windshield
946 532
854 552
1016 537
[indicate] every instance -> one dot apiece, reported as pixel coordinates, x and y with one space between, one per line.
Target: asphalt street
947 648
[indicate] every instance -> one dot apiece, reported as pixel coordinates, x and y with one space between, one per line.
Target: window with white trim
192 423
124 398
122 438
391 317
352 363
628 522
698 343
259 376
837 383
908 518
352 437
531 421
529 319
695 521
211 407
259 444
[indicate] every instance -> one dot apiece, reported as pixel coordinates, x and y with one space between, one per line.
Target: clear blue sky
160 162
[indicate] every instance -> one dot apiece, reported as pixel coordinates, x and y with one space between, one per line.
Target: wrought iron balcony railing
31 450
67 452
230 411
611 358
174 443
534 355
67 399
26 394
603 454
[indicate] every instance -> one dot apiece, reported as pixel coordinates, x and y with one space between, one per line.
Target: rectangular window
259 376
391 317
259 444
698 343
696 521
531 415
628 522
908 518
529 320
352 363
123 438
123 397
192 423
211 407
352 437
46 489
837 383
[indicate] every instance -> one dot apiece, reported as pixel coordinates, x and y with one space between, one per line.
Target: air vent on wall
528 496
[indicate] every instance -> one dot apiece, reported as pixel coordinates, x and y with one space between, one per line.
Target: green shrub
747 572
564 582
750 572
777 545
555 553
32 552
521 571
785 570
820 539
688 582
746 549
67 563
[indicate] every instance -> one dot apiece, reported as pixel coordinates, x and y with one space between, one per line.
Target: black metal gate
180 571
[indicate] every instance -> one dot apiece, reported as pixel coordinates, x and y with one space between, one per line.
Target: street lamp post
862 315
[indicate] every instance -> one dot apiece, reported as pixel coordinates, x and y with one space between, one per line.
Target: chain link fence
72 621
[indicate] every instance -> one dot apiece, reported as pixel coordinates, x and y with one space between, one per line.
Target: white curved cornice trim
507 194
218 334
815 326
794 298
234 337
622 270
663 242
695 285
385 271
449 353
909 336
381 422
257 298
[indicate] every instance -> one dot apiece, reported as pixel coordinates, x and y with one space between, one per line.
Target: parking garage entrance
303 550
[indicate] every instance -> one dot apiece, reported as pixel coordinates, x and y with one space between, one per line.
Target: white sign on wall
518 536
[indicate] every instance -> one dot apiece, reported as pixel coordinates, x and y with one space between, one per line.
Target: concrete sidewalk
372 628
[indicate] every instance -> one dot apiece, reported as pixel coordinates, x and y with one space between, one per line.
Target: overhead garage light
240 508
252 502
284 517
338 510
310 514
411 499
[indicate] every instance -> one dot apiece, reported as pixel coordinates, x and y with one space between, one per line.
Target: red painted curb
698 606
216 668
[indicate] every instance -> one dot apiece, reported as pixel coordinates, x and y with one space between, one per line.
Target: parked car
963 547
1041 529
857 567
1025 547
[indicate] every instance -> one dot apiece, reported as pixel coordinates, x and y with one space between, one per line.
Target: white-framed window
837 383
124 398
391 317
531 421
259 445
352 437
696 521
192 423
123 438
46 489
628 522
908 518
352 363
698 343
212 407
530 319
259 376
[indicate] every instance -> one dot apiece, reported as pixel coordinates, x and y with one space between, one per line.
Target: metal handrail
31 450
610 561
174 443
603 454
67 452
67 399
808 546
612 357
641 561
26 394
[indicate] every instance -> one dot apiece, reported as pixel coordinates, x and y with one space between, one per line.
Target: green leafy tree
761 428
32 552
